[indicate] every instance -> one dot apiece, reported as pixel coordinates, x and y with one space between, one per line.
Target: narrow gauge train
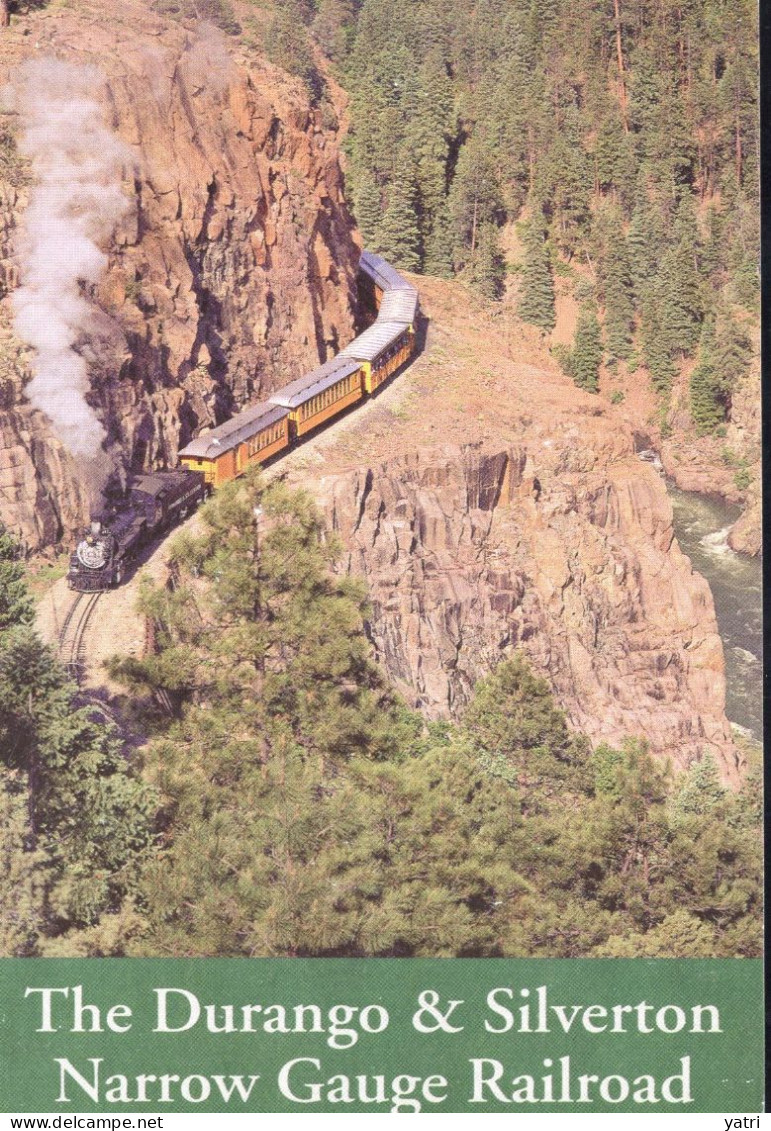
262 431
155 502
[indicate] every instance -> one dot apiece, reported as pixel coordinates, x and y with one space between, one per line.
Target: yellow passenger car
321 394
381 350
252 436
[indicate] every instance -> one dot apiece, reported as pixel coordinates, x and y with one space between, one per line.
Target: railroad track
72 636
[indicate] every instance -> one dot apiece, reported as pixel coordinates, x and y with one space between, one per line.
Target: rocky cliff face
539 529
232 272
489 503
471 552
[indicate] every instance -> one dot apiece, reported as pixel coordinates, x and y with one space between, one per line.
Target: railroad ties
72 636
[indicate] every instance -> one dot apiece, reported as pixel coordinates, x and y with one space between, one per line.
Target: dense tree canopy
77 823
632 125
305 811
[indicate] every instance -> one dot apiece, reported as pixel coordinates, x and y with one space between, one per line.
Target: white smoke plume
74 207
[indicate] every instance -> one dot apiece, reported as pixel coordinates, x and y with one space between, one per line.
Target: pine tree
615 162
369 210
647 235
438 260
724 352
530 84
288 45
680 286
512 95
699 792
475 197
427 139
536 304
513 717
657 347
567 181
615 278
706 410
398 238
487 266
298 791
15 602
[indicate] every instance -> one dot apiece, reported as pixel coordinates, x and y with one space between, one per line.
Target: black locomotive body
150 504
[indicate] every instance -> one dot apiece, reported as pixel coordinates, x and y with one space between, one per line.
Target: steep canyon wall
232 271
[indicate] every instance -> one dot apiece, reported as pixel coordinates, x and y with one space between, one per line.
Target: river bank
702 525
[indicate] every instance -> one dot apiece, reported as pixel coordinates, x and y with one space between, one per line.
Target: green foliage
475 200
501 103
438 257
398 237
77 821
582 362
333 28
288 45
724 351
658 351
616 285
513 716
15 603
487 266
306 812
368 206
586 355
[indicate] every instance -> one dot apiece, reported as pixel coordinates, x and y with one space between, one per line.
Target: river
702 526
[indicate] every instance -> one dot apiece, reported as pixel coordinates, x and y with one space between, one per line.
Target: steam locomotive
153 503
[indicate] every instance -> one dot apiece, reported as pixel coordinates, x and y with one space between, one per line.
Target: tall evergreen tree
438 258
487 266
536 303
706 410
615 279
427 139
587 350
657 348
567 181
369 210
680 285
475 198
398 238
615 162
724 351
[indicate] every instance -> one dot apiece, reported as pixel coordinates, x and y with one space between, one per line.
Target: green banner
374 1035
